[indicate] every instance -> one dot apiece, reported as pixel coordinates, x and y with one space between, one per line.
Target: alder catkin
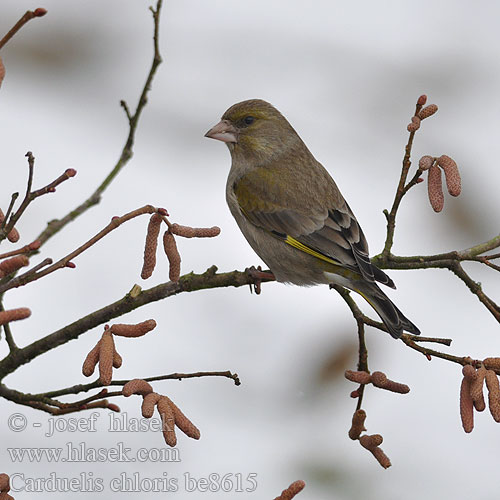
493 394
425 163
358 424
290 492
435 188
148 404
451 173
466 406
194 232
137 330
136 386
2 71
13 264
492 363
422 100
173 256
106 352
357 377
414 125
168 420
13 236
91 360
4 483
371 441
184 424
469 372
476 389
14 315
151 245
427 111
380 380
117 360
381 457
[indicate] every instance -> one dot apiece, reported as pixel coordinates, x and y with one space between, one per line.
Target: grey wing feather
335 234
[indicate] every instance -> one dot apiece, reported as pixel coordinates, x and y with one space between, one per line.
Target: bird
292 213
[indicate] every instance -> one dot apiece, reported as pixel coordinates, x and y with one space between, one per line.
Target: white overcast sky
346 75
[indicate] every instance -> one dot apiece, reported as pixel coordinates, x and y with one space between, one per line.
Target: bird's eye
248 120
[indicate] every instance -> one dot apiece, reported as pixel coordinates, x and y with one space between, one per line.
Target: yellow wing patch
336 267
304 248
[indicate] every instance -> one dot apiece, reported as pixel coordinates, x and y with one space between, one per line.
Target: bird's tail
395 321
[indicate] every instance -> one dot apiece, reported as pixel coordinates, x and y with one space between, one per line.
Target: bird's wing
328 230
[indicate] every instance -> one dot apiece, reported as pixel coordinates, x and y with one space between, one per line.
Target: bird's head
254 128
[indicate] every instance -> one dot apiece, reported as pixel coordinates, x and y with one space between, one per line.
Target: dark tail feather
395 321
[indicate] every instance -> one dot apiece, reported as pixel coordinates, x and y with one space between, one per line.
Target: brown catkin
2 71
91 360
435 188
168 420
381 457
493 394
451 173
11 265
106 351
151 246
136 386
4 483
13 236
422 100
295 488
469 372
371 441
148 404
184 424
117 360
466 406
137 330
427 111
380 380
195 232
357 377
476 389
358 424
173 256
14 315
425 163
414 125
492 363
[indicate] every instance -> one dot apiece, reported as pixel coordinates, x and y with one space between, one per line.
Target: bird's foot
258 276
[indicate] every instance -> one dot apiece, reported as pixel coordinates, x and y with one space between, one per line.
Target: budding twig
28 15
294 489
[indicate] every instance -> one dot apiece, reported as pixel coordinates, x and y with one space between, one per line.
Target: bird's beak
224 131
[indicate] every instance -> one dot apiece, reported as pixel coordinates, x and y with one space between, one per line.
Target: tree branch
187 283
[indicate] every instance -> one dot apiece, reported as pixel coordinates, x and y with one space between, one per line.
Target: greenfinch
293 214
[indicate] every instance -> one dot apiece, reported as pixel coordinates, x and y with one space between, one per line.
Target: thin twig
8 333
32 195
46 402
24 19
55 226
400 192
61 263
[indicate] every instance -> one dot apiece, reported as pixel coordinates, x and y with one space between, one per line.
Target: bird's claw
258 276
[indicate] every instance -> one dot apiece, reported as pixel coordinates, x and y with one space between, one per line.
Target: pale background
346 75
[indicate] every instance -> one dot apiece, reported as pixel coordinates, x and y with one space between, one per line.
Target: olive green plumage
293 214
